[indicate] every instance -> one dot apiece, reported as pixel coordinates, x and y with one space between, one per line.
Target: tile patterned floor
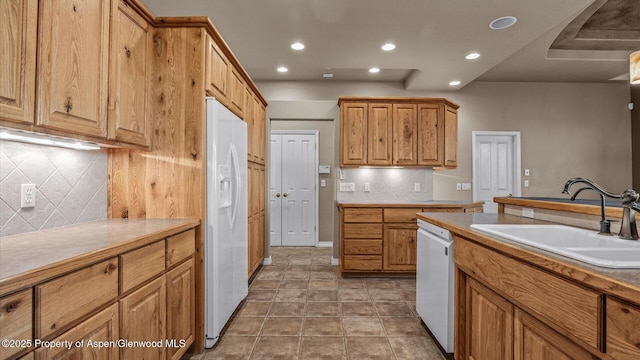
299 308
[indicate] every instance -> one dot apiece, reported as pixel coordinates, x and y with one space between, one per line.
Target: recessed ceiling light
282 69
297 46
454 83
327 75
388 47
502 22
374 70
472 56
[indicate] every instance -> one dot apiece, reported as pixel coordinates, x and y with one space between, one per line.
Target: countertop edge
32 277
430 204
556 264
559 206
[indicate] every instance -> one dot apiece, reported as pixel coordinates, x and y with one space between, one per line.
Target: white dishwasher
434 282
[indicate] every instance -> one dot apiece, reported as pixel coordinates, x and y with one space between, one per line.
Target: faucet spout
590 184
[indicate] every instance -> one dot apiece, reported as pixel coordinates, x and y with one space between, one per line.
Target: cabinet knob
68 105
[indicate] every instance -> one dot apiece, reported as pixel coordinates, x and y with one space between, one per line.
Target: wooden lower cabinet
180 309
488 324
143 317
399 247
623 329
95 334
534 340
16 320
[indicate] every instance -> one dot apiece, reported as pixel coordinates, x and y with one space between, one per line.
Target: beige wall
567 129
326 149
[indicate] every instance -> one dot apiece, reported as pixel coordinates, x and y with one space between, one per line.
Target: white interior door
275 191
295 182
496 167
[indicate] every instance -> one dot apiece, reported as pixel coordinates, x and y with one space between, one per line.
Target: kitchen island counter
468 206
34 257
624 283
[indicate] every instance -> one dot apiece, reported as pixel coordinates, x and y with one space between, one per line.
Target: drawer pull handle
12 306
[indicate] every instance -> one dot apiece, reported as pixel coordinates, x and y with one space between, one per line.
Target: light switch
416 187
347 187
458 186
466 186
323 183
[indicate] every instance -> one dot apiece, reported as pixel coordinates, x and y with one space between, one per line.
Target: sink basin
576 243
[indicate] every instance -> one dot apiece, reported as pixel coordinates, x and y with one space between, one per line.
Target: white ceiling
432 37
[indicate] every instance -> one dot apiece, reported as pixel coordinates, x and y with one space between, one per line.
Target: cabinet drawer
362 231
362 262
623 330
15 320
571 308
362 247
362 215
180 247
141 265
398 215
64 300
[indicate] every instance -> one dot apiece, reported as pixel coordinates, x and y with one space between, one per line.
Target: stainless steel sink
576 243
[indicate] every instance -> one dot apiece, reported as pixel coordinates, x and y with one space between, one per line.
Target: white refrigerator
226 283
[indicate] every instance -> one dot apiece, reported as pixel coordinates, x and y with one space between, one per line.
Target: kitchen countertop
33 257
409 203
589 207
624 283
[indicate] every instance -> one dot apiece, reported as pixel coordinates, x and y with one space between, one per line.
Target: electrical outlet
347 187
526 183
526 172
341 175
527 212
27 195
416 187
458 186
367 187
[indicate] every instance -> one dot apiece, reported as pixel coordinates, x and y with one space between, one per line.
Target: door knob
285 195
277 194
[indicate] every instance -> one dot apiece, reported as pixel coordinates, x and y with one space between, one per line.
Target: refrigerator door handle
238 183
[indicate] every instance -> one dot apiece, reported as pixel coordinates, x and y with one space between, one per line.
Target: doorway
293 191
496 166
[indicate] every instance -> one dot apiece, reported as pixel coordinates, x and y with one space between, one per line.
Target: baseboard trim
266 261
325 244
335 261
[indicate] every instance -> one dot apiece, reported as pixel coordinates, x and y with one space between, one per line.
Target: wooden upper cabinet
217 72
236 92
353 134
430 134
73 64
249 115
259 132
129 77
18 24
379 134
405 134
450 137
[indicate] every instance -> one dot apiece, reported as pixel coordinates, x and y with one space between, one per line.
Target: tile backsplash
71 186
386 184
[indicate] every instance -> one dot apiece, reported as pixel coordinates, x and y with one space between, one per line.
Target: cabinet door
99 328
73 62
451 137
180 309
430 134
399 245
489 324
405 138
534 340
18 26
16 321
353 134
236 92
129 77
260 131
249 115
623 329
217 72
379 134
142 318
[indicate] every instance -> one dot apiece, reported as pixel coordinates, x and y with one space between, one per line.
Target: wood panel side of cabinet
73 66
379 134
405 134
430 134
353 134
129 76
18 24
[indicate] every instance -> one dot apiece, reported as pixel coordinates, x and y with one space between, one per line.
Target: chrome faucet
628 228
